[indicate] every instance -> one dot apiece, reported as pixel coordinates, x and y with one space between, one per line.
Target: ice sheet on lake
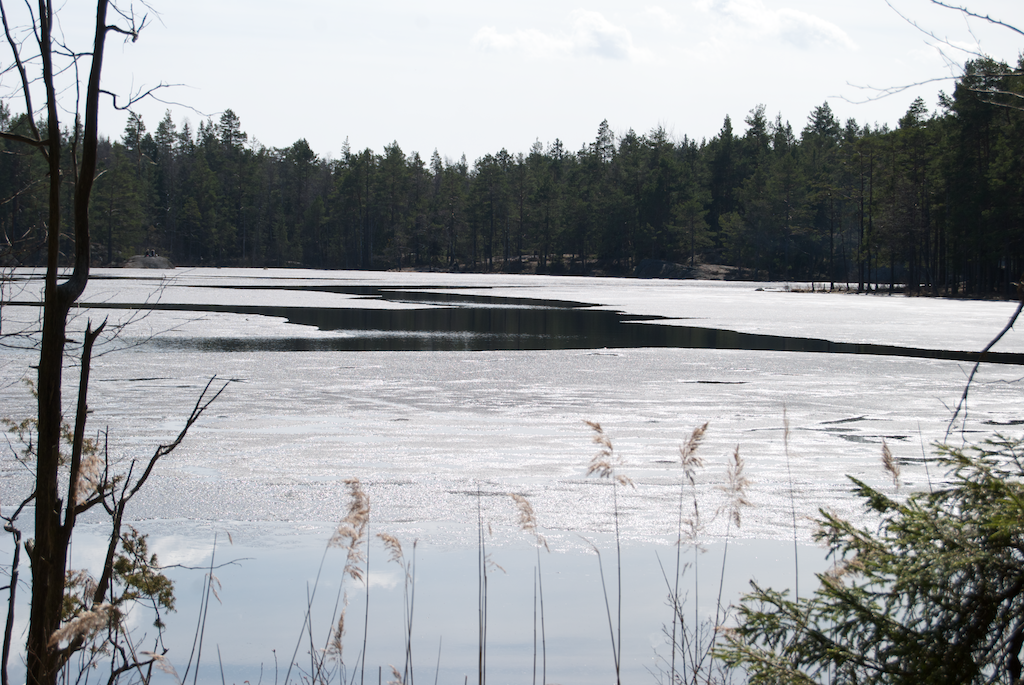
424 430
434 435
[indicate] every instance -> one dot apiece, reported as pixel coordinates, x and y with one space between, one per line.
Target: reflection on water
266 577
470 322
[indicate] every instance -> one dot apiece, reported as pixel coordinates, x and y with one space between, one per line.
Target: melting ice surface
443 392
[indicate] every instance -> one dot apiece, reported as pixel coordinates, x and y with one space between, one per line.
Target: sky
473 77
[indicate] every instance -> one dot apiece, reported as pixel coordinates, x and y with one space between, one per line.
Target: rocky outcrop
143 262
656 268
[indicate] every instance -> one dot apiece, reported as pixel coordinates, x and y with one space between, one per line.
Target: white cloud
797 28
661 15
806 30
534 43
591 34
387 580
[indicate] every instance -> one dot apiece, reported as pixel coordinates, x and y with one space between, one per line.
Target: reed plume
890 465
606 460
690 461
735 488
335 647
84 625
350 535
528 519
351 531
90 476
604 464
162 664
395 554
688 456
528 523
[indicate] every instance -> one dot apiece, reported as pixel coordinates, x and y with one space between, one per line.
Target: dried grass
890 465
90 476
335 647
735 487
84 626
351 531
688 453
606 460
394 548
528 519
162 664
398 676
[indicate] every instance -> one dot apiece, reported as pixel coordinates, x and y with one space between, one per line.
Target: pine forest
933 205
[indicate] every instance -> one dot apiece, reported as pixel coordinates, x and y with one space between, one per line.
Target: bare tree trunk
52 536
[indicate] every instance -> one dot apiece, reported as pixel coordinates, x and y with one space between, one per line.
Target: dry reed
604 464
735 488
349 535
335 648
528 523
890 465
395 554
528 519
792 503
162 664
690 461
84 625
351 531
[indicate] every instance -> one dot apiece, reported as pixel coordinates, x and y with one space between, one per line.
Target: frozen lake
432 388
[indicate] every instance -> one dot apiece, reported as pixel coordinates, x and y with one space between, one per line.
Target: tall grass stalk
890 465
690 462
197 641
366 612
481 592
528 523
535 626
924 458
604 464
736 497
543 632
437 668
692 658
408 567
350 535
792 504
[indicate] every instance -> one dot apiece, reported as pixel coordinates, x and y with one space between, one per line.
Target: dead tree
66 485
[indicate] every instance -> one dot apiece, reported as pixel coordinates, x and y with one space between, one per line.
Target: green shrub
934 594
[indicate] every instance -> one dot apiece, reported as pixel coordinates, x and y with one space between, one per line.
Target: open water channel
443 393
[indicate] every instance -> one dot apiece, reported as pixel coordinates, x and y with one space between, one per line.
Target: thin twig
981 357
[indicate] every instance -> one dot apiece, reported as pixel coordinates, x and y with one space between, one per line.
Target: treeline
936 203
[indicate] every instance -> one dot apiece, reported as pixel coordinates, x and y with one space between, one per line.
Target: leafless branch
960 406
931 34
24 76
140 95
203 403
983 17
941 44
207 397
880 93
24 139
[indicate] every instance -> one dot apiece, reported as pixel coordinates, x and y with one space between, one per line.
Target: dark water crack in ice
464 324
